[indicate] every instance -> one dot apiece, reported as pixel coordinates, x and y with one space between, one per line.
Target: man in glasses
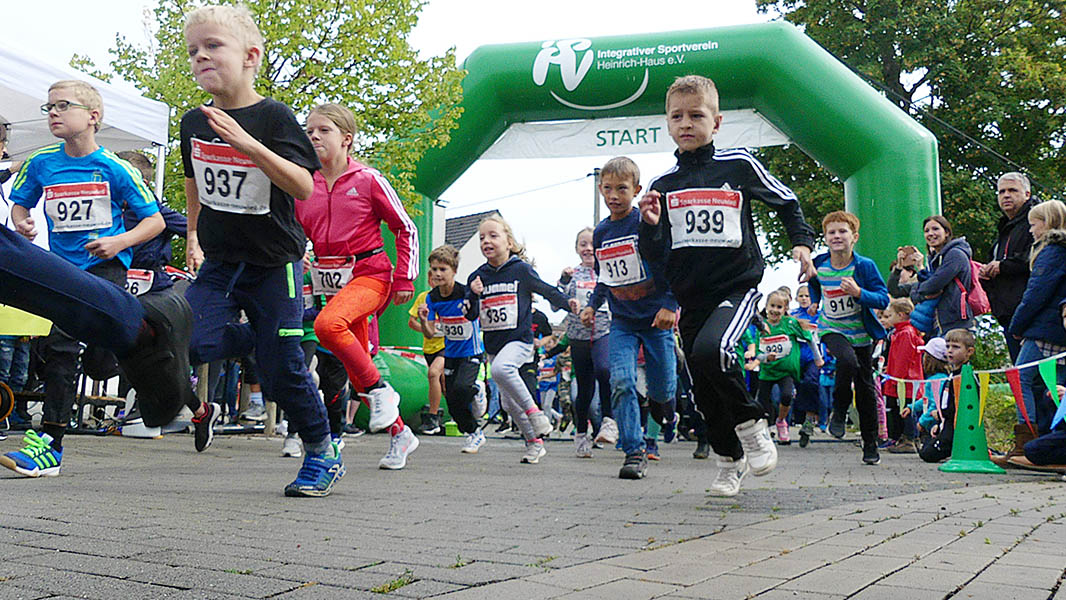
84 188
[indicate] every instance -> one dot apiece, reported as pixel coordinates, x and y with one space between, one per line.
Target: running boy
697 219
643 312
84 187
449 312
852 288
245 158
433 354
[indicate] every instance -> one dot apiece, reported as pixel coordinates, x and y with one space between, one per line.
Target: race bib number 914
227 180
839 304
704 217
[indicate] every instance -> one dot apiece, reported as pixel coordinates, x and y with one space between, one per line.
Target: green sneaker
37 459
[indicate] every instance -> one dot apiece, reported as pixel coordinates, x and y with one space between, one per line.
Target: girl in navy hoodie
505 285
1037 321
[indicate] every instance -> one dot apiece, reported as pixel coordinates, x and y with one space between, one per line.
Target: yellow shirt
429 345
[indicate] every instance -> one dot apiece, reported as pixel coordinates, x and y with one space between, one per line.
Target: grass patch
391 586
459 563
239 571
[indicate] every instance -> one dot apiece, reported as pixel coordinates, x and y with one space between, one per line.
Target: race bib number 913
704 217
619 263
227 180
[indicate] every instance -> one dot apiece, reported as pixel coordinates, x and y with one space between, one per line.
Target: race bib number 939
704 217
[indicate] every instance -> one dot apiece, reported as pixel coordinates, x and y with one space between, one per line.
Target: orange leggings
341 327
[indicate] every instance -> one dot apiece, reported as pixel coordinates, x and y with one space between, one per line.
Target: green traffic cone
969 448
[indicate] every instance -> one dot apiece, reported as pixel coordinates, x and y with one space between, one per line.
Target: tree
352 52
994 71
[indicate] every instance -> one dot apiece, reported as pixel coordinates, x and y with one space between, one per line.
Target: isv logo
574 57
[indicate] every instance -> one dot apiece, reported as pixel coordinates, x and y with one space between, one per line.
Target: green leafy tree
992 70
352 52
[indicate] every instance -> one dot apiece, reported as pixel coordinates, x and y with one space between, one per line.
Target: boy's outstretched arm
287 175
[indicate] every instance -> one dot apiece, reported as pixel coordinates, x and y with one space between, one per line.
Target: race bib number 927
78 206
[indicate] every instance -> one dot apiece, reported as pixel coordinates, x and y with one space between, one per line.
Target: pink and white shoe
782 433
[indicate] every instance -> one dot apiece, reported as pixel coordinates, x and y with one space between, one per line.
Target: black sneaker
158 368
205 426
837 426
634 467
870 455
703 450
430 423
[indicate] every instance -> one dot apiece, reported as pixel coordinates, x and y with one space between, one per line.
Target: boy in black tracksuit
697 220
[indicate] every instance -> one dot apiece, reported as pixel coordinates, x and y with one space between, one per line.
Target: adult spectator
1007 272
946 278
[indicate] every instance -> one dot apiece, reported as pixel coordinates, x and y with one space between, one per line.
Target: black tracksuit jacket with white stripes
701 275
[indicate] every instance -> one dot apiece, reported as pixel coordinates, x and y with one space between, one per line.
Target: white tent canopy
131 122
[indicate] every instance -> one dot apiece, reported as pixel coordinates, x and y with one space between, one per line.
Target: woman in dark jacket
1037 321
949 266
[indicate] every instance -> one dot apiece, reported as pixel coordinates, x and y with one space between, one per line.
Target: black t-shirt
243 216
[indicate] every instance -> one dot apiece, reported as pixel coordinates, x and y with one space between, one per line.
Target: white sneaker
474 441
583 445
384 406
481 401
759 449
534 450
730 473
400 447
292 446
608 432
541 425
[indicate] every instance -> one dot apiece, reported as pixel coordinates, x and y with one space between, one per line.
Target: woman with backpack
949 280
1038 322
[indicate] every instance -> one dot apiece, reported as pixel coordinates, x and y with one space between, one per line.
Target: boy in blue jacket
848 288
643 313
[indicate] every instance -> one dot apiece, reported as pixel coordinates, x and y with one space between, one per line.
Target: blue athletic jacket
874 292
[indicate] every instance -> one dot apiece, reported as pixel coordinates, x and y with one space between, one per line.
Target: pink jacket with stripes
346 221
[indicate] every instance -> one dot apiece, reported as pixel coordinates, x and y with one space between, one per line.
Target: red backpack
975 298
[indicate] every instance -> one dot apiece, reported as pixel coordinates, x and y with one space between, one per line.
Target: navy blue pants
83 305
272 299
1048 449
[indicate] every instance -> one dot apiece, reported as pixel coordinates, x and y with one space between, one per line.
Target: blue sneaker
317 475
37 459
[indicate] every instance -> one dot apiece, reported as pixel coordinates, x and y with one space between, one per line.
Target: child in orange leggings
342 218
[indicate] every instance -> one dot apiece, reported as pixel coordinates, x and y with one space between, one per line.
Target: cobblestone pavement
154 519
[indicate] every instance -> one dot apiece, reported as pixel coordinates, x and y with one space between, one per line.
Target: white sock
255 398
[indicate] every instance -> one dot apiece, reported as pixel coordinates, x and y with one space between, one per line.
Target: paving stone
686 573
781 566
583 576
515 588
942 580
1017 575
627 589
982 591
729 586
888 592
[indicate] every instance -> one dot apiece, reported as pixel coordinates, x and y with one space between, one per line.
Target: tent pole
160 156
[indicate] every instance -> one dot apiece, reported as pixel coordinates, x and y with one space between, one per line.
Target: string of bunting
1045 366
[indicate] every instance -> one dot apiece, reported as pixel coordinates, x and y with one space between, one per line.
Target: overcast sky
545 220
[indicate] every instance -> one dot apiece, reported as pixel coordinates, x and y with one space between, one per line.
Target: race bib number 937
227 180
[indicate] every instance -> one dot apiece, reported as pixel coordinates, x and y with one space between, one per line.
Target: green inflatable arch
887 161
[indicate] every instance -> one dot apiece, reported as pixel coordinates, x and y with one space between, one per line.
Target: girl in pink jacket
342 218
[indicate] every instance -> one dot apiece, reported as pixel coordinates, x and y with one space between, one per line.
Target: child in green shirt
779 360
